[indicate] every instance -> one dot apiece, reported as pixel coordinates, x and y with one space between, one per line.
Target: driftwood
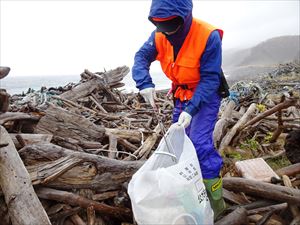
289 170
97 128
76 200
294 209
12 116
146 147
287 103
4 101
237 217
273 208
245 118
104 173
233 197
64 123
254 219
29 139
107 79
23 205
280 127
252 205
81 90
262 189
91 217
222 123
46 172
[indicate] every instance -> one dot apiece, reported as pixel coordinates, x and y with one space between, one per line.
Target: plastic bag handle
167 153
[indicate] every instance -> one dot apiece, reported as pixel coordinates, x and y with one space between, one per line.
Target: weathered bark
30 139
82 90
77 220
253 205
233 197
280 127
107 79
105 195
289 170
9 116
130 147
102 174
76 200
4 101
64 123
253 219
245 118
23 205
47 172
294 209
134 136
143 151
262 189
91 217
222 123
113 142
274 208
77 145
237 217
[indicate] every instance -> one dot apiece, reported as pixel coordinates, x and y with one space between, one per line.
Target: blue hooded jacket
210 66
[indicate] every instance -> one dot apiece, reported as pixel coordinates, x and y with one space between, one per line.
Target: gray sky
65 37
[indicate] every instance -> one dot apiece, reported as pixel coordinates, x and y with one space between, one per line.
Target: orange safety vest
184 72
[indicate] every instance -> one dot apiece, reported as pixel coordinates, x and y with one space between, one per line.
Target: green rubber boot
215 195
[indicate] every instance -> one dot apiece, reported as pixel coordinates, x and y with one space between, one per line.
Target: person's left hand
184 119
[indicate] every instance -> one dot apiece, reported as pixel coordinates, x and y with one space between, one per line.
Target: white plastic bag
168 188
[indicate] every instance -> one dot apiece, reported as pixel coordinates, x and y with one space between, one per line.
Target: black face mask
169 25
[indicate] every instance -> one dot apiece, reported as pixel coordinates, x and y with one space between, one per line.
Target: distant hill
262 57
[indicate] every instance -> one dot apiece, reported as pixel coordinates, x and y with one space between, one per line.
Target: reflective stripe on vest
185 70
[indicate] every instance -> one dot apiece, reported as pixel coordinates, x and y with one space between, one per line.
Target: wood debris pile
79 145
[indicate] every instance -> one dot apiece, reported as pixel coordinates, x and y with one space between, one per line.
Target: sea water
21 84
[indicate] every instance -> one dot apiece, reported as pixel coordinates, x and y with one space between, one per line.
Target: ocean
21 84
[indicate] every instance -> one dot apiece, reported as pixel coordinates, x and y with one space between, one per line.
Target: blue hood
167 8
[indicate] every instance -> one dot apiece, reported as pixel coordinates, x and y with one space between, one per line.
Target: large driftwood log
103 173
77 200
237 217
46 172
262 189
290 170
223 123
245 118
24 206
81 90
107 79
64 123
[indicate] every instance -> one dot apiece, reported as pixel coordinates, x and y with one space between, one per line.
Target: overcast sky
65 37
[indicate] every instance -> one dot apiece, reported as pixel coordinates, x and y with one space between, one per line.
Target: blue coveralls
205 103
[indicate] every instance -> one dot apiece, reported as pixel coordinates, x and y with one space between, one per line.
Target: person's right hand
149 95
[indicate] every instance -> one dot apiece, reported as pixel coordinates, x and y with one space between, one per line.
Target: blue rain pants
200 131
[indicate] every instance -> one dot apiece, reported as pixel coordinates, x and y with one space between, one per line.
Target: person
189 51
